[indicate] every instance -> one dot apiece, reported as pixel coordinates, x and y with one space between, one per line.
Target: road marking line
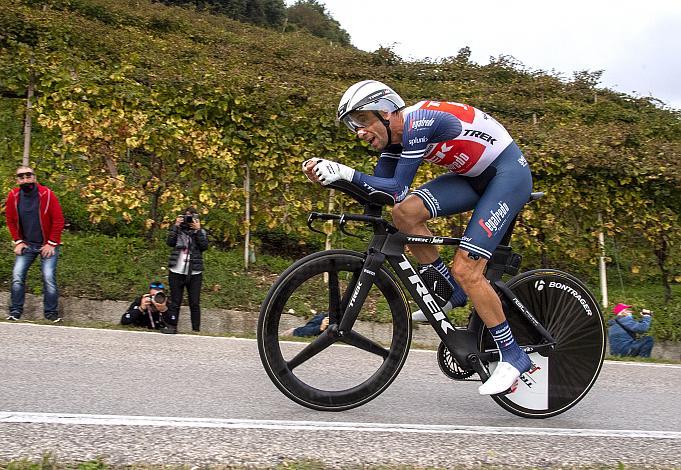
29 323
644 364
158 421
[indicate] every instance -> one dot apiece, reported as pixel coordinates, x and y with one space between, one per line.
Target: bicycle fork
360 291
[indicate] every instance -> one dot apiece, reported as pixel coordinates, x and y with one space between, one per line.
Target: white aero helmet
368 95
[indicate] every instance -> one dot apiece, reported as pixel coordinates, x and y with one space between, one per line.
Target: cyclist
487 174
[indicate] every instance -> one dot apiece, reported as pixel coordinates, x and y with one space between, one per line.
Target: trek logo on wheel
539 285
527 376
434 308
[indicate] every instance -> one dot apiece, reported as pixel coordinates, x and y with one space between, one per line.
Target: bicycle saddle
535 196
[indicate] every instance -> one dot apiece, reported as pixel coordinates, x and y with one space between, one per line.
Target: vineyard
141 109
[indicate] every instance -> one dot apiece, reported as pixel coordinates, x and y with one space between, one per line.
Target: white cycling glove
305 165
328 172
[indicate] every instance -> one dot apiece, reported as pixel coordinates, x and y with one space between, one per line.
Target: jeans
48 267
177 284
312 327
642 347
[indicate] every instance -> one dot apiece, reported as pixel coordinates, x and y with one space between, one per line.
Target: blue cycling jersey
459 137
487 172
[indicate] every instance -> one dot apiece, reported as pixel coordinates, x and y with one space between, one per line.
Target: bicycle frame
389 244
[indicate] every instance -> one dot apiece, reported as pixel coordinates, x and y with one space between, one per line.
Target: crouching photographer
149 310
626 334
188 241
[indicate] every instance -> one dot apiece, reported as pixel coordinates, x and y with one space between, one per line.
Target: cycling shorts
495 196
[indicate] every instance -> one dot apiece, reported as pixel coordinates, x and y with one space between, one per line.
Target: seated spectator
624 329
314 327
149 310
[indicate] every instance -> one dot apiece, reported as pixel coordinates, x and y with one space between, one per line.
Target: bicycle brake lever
341 225
310 221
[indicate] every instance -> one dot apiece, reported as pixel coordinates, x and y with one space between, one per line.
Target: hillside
143 108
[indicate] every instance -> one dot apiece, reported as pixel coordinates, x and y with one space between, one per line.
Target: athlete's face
373 132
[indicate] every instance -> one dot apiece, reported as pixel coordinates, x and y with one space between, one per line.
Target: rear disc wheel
562 377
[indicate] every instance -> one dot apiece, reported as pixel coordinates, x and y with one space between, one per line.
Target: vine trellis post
601 264
27 117
247 238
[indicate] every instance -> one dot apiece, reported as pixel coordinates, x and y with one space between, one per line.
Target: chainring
450 367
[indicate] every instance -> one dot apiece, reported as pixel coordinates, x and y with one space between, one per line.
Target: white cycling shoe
504 377
419 316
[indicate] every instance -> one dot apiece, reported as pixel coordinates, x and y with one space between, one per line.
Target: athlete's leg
445 195
410 216
433 199
504 196
469 272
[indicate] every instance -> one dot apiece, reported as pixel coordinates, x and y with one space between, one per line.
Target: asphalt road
143 397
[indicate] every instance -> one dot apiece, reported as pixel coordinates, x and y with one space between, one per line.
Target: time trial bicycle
552 314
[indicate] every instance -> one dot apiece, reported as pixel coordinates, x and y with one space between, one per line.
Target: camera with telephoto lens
158 297
645 311
187 220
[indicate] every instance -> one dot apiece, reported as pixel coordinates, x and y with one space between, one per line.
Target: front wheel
561 378
333 372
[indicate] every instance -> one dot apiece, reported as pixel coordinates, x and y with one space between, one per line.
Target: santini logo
368 187
422 123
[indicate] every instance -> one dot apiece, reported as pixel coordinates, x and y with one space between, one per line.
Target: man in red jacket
35 221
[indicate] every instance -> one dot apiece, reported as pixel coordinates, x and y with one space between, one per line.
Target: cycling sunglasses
357 120
27 174
156 285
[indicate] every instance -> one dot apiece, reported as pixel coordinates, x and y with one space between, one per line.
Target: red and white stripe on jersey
481 141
